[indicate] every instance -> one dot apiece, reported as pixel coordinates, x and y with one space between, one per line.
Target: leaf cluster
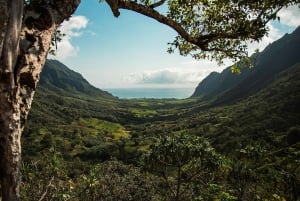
221 28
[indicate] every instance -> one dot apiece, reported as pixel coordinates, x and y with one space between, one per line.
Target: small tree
185 162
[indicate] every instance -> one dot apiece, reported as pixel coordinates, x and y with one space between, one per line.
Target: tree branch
201 40
157 4
114 6
148 11
47 188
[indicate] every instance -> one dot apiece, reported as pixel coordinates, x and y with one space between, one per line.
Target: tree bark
10 127
26 35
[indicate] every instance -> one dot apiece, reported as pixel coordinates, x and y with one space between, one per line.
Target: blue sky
130 51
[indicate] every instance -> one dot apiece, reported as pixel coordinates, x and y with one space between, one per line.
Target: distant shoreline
157 93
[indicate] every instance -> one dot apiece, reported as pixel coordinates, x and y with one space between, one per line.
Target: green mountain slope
226 87
64 95
59 78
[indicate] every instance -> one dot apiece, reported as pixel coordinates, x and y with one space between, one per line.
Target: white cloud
187 74
71 28
290 16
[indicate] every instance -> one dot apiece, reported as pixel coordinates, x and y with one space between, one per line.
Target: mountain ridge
226 87
59 78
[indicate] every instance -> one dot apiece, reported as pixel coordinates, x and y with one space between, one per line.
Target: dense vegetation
81 143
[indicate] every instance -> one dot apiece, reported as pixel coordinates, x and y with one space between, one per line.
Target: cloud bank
164 76
72 29
185 75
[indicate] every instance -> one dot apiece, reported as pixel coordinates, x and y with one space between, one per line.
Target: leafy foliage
107 181
210 29
188 164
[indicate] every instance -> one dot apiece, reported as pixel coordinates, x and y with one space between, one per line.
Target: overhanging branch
200 41
250 29
148 11
157 4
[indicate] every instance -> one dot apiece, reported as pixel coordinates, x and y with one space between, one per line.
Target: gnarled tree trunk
10 118
26 35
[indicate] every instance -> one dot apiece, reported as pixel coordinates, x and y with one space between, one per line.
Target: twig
48 186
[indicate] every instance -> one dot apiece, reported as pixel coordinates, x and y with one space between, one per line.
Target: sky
131 51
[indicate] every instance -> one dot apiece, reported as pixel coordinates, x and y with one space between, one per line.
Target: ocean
157 93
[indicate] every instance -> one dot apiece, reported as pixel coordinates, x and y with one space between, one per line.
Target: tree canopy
210 29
